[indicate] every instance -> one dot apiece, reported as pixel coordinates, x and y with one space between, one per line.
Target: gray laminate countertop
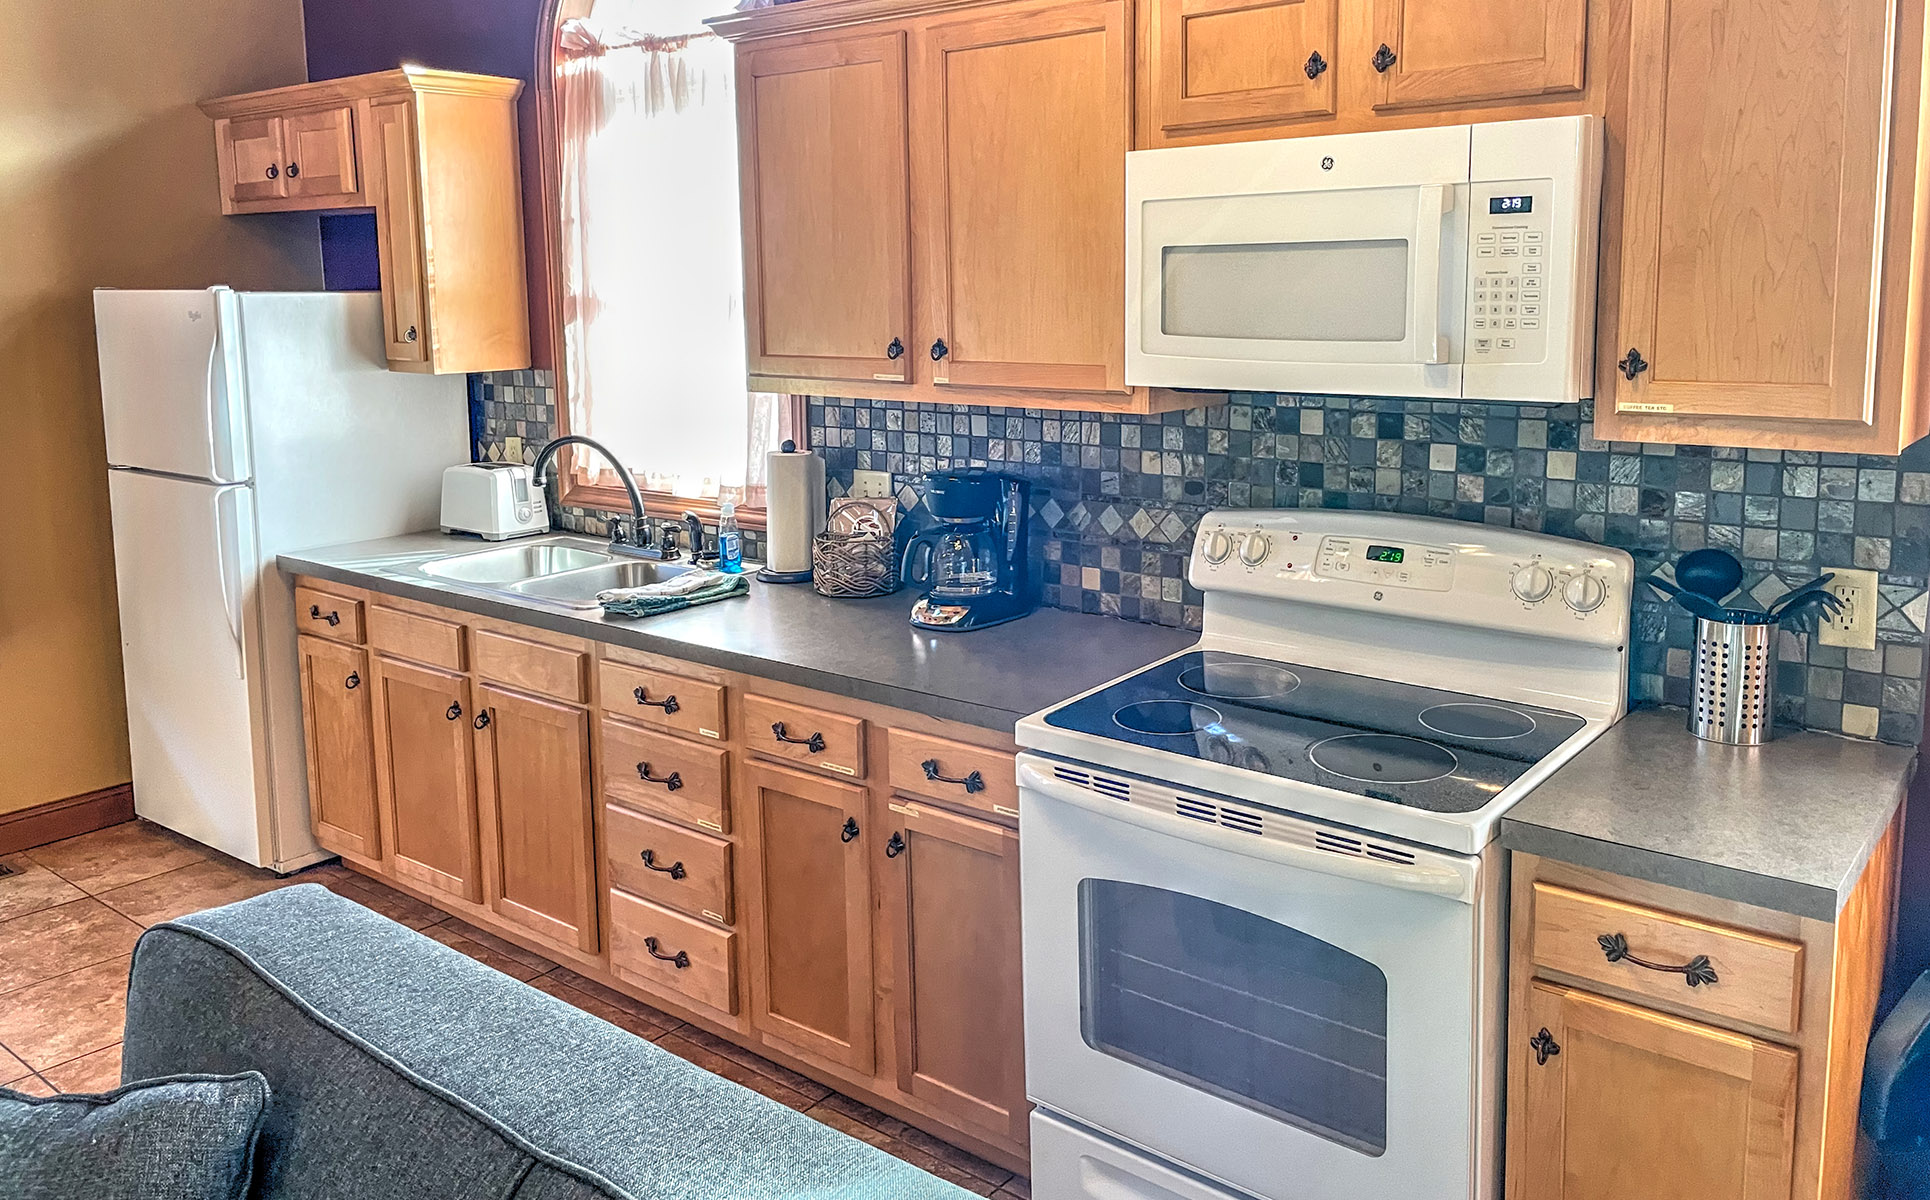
864 649
1788 825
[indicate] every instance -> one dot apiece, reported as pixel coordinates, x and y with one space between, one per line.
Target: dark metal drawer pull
668 704
679 960
850 830
814 743
895 846
973 783
315 613
675 870
1695 972
455 710
673 781
1545 1046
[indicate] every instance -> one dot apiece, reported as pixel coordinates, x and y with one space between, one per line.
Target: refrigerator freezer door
187 625
171 383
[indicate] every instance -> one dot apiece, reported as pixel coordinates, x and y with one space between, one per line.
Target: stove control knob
1533 583
1255 550
1585 593
1218 547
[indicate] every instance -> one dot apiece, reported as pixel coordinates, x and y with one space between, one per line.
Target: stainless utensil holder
1733 680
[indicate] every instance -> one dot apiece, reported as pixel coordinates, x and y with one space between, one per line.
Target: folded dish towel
682 591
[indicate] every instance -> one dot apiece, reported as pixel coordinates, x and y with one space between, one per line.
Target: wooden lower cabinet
426 776
1623 1101
809 886
340 738
533 772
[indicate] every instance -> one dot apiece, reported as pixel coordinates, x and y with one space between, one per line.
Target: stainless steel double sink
566 572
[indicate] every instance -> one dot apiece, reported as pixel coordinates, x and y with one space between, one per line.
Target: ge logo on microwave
1327 163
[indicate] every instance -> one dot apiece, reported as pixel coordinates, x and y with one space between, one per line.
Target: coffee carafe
973 563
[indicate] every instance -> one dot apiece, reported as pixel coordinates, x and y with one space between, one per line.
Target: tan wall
107 178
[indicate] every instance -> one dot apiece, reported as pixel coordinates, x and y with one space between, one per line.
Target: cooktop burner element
1478 722
1167 718
1239 680
1382 758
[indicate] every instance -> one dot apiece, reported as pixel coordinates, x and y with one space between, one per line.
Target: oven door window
1335 291
1247 1009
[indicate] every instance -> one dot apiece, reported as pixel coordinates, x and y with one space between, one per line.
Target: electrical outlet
1854 625
513 449
871 485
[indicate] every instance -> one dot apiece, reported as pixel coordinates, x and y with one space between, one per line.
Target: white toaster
493 501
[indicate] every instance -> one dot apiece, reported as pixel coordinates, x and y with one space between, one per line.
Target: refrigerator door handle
225 553
216 409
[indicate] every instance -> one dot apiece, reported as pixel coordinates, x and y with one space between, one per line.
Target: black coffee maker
973 563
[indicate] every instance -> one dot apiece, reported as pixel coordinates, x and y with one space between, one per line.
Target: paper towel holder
766 574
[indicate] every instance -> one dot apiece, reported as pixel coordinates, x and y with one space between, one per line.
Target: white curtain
652 262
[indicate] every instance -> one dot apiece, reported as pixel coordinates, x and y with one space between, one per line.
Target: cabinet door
427 778
1018 195
826 218
321 154
951 887
533 778
1459 51
341 748
1620 1101
251 158
811 979
1239 62
1754 183
398 231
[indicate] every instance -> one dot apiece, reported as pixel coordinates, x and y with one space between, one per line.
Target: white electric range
1263 922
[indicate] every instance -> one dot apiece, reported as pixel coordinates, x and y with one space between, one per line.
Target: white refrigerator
241 425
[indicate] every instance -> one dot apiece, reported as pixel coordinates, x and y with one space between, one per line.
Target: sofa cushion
402 1068
185 1137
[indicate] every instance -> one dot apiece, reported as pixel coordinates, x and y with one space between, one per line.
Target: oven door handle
1425 877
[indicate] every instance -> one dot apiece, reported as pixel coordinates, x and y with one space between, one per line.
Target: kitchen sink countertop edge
1787 825
863 649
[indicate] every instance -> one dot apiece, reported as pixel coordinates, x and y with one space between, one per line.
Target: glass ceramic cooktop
1428 749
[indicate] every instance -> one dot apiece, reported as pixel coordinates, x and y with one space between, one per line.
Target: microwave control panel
1510 252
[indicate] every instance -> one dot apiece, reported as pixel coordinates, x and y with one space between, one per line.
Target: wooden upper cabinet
1754 184
533 776
807 879
321 154
398 232
1440 52
1622 1101
1022 118
426 776
340 737
1214 63
826 211
249 155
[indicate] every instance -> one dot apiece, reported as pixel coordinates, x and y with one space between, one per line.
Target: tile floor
71 911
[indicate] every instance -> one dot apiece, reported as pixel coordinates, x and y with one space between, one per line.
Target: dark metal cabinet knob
1632 364
1316 65
294 170
895 846
1545 1046
1384 58
274 172
455 711
410 334
939 349
353 681
482 720
850 831
896 350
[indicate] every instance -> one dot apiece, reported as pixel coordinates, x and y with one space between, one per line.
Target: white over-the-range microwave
1456 262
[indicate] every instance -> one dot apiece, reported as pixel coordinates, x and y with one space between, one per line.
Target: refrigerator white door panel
171 383
179 552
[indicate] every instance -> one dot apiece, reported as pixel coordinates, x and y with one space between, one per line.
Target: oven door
1294 1022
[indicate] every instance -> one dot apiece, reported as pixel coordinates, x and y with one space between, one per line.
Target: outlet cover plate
871 485
1854 627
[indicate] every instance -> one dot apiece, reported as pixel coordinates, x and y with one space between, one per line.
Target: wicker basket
852 566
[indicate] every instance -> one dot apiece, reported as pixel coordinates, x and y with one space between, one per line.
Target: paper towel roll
793 509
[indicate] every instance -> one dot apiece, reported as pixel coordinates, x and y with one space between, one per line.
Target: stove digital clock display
1386 554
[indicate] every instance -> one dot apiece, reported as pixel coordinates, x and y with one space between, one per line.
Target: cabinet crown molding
407 78
809 16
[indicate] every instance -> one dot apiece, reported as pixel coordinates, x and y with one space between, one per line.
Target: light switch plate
871 485
1854 626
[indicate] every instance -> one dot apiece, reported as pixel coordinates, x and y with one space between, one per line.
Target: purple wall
491 37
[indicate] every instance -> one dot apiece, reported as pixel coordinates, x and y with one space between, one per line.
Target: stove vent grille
1105 785
1339 843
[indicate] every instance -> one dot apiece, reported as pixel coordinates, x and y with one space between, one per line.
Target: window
650 307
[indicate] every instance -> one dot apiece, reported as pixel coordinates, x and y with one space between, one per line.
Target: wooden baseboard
57 819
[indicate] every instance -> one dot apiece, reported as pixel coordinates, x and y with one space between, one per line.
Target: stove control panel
1408 565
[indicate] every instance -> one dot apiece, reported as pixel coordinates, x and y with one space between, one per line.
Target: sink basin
514 564
578 589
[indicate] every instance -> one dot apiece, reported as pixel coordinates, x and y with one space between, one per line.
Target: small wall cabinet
434 154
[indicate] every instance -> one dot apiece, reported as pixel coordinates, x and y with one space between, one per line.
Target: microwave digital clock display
1511 204
1386 554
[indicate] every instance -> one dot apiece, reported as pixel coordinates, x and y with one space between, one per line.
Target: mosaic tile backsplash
1116 501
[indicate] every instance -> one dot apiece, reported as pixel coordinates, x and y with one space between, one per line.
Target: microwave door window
1314 292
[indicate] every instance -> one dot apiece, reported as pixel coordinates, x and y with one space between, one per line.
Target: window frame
573 486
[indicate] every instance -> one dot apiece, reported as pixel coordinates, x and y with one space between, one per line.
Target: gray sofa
403 1070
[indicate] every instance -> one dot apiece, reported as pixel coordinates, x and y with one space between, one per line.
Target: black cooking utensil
1800 607
1695 602
1708 572
1795 594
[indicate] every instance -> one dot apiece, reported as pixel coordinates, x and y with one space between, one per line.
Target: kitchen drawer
919 764
327 615
670 952
545 670
1757 979
416 638
701 796
808 737
674 866
686 706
